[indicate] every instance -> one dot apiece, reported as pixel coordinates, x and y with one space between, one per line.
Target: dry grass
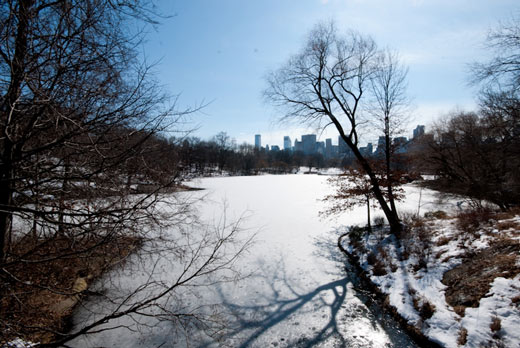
463 337
508 225
436 215
460 310
443 241
469 221
506 215
496 324
33 290
423 307
471 280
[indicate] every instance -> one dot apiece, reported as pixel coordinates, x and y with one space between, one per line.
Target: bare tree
329 83
353 188
81 129
477 153
389 110
503 70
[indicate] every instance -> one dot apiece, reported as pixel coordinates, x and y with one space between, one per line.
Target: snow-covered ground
410 285
298 292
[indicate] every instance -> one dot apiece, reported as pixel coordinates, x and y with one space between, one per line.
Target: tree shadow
327 310
279 305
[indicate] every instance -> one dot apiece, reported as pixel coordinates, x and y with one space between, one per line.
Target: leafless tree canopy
335 80
477 153
84 164
503 70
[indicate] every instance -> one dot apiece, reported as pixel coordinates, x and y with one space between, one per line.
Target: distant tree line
221 154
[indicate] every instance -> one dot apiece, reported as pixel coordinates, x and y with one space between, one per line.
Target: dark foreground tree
81 126
330 82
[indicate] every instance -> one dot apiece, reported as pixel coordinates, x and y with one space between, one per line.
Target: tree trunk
368 214
391 215
6 196
8 118
64 193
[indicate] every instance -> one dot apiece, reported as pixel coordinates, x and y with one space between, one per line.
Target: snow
295 290
19 343
297 294
496 303
405 284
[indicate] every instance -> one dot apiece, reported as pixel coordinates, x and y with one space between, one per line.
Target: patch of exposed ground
471 280
43 281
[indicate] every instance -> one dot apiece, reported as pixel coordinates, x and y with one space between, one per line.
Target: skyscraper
418 131
343 148
287 143
258 141
328 147
309 144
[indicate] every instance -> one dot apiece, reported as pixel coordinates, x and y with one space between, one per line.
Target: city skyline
217 54
306 139
416 132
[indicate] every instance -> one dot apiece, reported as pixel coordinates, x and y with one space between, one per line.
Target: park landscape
118 227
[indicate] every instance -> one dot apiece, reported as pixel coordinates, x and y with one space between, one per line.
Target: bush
496 324
439 214
463 337
372 259
379 221
469 221
379 268
425 308
356 232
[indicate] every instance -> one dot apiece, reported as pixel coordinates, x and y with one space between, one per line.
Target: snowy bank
455 279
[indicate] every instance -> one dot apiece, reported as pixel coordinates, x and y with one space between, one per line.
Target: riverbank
452 279
37 309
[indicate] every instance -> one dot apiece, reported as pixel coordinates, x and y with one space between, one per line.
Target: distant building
287 143
342 146
381 146
266 148
320 147
367 150
370 148
258 141
328 148
298 146
275 148
400 144
418 131
309 144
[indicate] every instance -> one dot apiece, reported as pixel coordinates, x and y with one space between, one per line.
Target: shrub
469 221
379 268
463 337
379 221
443 241
496 324
372 259
355 232
438 214
426 311
393 267
423 306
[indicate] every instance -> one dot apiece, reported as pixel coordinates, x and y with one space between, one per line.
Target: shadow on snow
284 299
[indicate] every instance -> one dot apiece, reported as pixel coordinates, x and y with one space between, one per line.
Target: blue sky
219 52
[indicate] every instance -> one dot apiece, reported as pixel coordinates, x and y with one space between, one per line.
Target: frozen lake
299 292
